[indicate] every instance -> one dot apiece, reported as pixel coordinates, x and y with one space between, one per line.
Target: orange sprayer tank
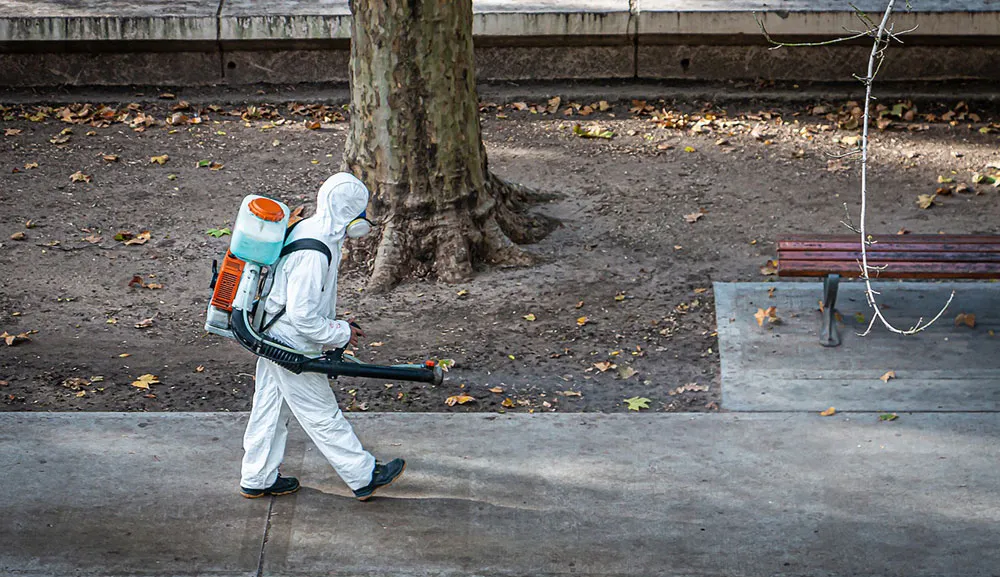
228 282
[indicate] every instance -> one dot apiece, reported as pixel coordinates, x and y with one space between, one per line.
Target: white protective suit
307 288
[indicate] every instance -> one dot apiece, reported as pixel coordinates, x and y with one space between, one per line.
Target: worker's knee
324 420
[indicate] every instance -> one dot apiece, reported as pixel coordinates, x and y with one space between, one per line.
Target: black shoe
383 474
281 486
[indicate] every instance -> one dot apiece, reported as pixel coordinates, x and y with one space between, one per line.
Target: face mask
359 227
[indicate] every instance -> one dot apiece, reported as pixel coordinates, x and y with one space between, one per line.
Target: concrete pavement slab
102 20
784 368
583 494
667 494
125 494
285 20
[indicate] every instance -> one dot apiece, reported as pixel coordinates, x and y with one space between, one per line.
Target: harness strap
295 246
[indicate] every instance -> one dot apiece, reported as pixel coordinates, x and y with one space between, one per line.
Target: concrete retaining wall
201 42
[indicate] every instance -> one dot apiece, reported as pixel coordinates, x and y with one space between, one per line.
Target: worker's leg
315 406
267 430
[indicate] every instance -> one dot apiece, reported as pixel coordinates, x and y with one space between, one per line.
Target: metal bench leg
828 335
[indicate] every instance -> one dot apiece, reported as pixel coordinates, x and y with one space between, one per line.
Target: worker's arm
306 304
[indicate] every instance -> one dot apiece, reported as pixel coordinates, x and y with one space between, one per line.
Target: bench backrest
902 256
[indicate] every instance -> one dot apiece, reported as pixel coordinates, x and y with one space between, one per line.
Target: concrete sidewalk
666 494
202 42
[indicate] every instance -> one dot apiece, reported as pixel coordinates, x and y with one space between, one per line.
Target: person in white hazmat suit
305 286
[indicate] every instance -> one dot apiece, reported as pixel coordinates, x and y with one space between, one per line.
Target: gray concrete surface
784 368
281 41
572 494
115 494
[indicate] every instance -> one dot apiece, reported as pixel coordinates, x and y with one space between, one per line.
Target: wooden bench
931 256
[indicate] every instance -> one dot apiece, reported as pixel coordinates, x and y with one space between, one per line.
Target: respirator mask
360 226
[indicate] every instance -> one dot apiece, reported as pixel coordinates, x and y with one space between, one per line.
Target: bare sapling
882 35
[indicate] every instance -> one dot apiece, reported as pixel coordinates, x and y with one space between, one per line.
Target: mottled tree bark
415 140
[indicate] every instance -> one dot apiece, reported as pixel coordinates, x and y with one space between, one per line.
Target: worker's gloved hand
356 333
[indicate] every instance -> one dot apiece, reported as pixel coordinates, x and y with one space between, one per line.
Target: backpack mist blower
241 286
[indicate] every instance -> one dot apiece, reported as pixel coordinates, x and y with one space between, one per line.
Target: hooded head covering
341 199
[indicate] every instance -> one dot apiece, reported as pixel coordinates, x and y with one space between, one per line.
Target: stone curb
202 42
303 20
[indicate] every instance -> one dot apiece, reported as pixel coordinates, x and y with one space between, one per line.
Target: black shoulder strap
304 244
308 244
295 246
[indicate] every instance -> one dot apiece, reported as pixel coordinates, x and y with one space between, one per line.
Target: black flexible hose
330 364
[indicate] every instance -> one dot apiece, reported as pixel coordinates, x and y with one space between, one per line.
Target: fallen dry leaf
888 375
926 201
496 390
12 131
459 399
199 369
110 157
770 315
529 317
296 215
829 412
80 177
30 165
508 403
627 372
144 323
161 160
12 340
18 236
688 388
581 321
140 238
967 319
144 381
770 268
603 366
693 217
75 383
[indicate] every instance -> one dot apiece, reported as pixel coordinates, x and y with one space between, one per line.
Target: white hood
341 199
304 284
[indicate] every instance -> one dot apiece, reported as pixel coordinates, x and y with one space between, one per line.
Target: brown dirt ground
623 204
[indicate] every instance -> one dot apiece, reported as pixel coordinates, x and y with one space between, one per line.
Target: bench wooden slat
893 245
981 270
882 256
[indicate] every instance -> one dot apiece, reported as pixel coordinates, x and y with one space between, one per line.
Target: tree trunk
415 141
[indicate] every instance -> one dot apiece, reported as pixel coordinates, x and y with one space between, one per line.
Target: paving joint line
632 28
218 41
263 541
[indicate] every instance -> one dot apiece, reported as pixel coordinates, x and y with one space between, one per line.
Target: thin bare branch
853 152
775 44
877 55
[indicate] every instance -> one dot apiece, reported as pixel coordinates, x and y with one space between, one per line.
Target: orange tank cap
267 209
